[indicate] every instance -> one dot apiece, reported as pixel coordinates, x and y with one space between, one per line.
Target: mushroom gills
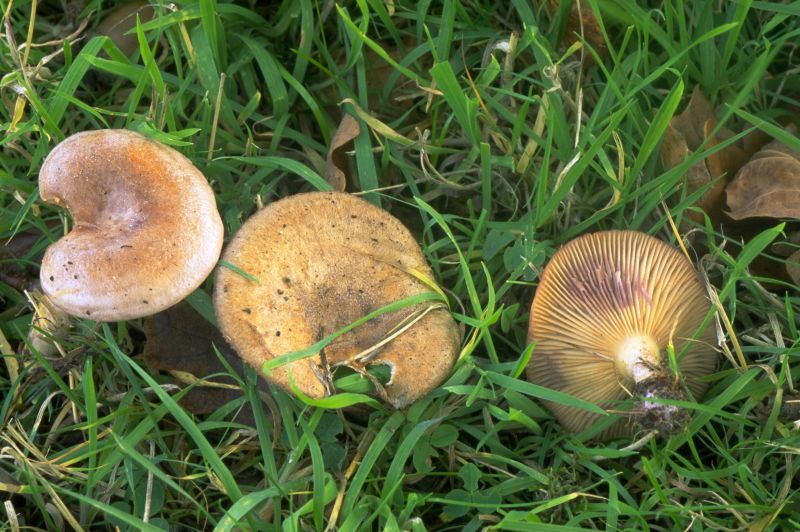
607 307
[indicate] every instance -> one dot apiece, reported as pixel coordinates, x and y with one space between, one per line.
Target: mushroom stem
642 361
639 357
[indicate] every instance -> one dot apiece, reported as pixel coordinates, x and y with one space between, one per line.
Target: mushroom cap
606 292
323 260
147 231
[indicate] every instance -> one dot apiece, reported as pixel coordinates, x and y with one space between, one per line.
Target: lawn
496 132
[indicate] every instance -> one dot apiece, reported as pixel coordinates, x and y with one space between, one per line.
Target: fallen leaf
775 149
754 141
181 342
720 167
759 180
582 25
729 159
119 22
684 135
691 123
336 162
793 266
674 151
768 186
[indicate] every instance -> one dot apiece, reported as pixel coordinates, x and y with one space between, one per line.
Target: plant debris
336 163
180 341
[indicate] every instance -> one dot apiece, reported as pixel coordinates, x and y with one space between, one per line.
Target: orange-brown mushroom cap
147 231
604 297
322 261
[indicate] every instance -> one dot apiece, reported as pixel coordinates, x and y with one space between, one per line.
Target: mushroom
607 306
312 264
147 231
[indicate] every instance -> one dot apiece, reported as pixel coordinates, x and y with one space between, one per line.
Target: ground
497 132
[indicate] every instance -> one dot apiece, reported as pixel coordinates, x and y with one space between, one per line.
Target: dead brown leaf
336 162
760 180
691 123
181 342
685 134
118 23
768 186
674 151
729 159
581 23
793 266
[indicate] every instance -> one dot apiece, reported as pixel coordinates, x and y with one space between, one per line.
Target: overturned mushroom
147 231
607 306
316 263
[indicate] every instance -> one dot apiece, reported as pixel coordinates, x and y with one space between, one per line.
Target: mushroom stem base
648 414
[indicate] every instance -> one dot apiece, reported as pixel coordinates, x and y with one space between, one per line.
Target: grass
495 143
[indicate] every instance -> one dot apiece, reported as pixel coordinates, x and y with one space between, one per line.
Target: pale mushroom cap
605 291
322 261
147 231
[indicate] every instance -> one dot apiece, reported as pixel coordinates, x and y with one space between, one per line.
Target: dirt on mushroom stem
648 415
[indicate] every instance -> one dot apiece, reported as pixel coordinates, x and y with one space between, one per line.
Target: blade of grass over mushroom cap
336 401
314 350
